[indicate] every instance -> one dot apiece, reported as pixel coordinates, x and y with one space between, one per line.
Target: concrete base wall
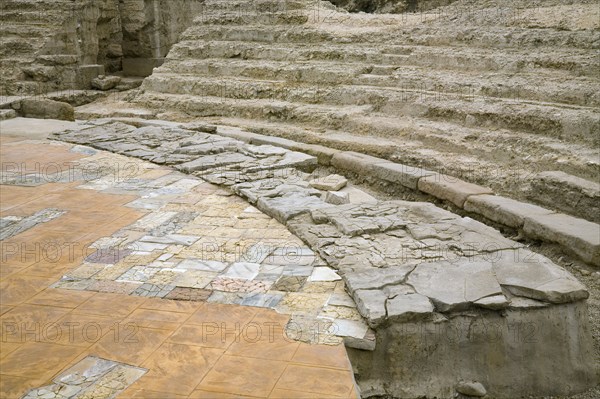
518 353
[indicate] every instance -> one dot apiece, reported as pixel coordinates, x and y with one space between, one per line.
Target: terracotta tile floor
191 349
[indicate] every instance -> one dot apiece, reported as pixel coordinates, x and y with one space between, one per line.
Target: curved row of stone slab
409 266
578 236
443 262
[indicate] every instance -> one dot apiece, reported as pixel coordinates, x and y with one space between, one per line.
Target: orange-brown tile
156 319
322 381
243 376
17 288
322 355
178 368
38 360
61 298
223 315
12 387
114 305
207 335
132 345
168 305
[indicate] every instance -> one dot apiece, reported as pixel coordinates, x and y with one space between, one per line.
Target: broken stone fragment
105 82
337 198
201 127
474 388
329 183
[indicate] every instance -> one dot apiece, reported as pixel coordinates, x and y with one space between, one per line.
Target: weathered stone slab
105 82
289 206
571 194
409 307
577 235
213 161
503 210
407 176
323 154
329 183
455 285
450 188
337 198
371 305
527 274
376 279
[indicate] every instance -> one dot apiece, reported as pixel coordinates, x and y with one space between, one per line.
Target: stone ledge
503 210
404 175
355 162
577 235
323 154
450 188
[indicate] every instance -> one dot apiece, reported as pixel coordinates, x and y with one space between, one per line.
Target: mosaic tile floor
117 258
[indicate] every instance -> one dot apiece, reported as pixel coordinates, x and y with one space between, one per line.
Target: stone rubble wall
58 45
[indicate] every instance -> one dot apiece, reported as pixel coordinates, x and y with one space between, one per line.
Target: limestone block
105 82
503 210
578 235
7 114
371 304
355 162
409 307
455 285
337 198
450 188
527 274
404 175
572 194
47 109
323 154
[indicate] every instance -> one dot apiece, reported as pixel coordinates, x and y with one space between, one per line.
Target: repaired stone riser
353 118
583 124
513 354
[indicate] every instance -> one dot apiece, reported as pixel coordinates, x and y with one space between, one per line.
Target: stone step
552 88
249 6
318 72
42 16
580 123
25 31
13 46
430 36
212 17
33 5
567 193
573 61
410 138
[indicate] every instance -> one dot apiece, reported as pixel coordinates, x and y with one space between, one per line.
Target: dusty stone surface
329 183
575 193
105 82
